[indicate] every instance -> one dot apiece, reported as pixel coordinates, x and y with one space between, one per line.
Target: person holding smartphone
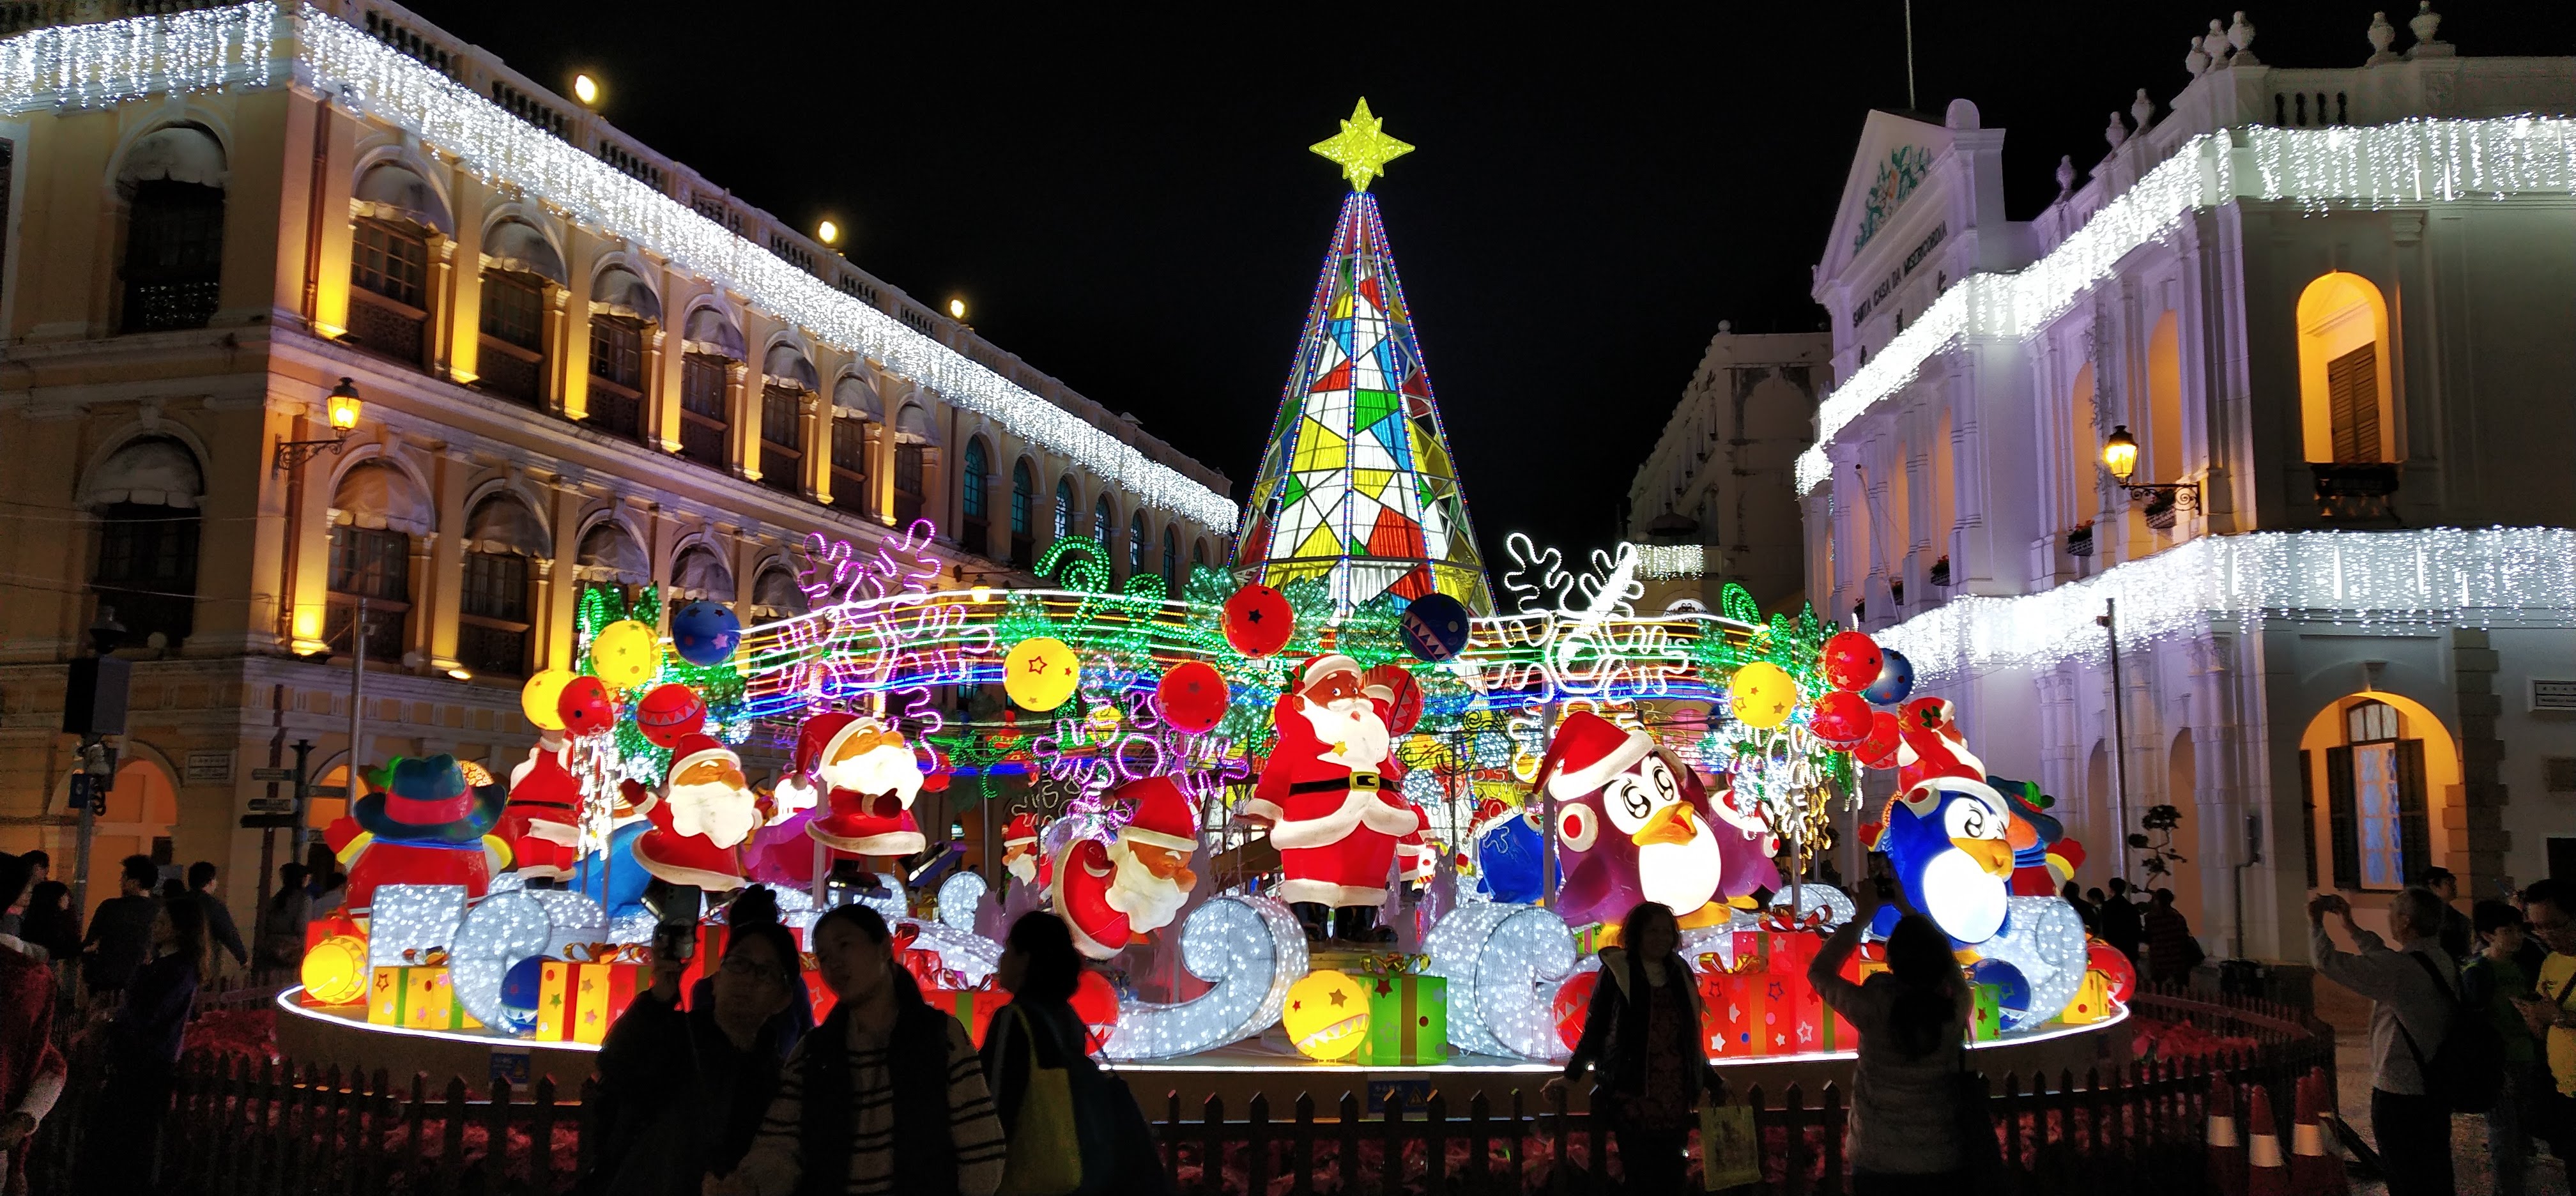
2549 908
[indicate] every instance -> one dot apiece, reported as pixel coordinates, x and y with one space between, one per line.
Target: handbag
1981 1160
1045 1156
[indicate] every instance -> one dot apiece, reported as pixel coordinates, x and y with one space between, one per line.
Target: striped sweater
774 1166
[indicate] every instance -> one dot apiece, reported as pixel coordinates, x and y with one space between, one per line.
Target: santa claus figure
869 777
542 823
1020 855
707 810
1111 894
1330 798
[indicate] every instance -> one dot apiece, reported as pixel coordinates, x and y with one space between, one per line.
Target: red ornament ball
1405 708
2122 975
1573 1003
584 707
1258 621
668 714
1852 661
1879 749
1097 1005
1193 696
1842 719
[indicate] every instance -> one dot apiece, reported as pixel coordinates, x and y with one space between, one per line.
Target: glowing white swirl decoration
2045 939
499 931
411 918
1251 949
958 896
1504 964
571 918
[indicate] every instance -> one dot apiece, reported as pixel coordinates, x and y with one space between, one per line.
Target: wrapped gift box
1801 1021
1408 1021
576 1002
337 922
708 957
416 998
2092 1001
1986 1021
1748 1011
817 992
972 1007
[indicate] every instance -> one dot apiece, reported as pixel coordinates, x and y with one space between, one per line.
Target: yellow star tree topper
1362 149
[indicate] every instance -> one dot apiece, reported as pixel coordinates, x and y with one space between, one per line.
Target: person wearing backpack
2414 992
1072 1128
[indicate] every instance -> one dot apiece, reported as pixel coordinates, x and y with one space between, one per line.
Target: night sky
1124 197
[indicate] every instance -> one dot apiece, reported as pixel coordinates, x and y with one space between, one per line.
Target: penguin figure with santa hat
1330 796
1632 825
1111 894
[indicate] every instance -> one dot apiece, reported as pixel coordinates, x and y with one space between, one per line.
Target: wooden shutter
2352 405
2341 818
2414 809
2308 814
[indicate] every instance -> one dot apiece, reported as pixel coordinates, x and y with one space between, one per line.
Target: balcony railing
388 327
2356 490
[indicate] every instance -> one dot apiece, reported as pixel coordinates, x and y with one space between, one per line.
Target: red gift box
972 1006
709 957
1749 1011
819 993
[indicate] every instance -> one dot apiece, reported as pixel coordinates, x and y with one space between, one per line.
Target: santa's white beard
1350 731
725 815
877 770
1149 901
1681 877
1022 864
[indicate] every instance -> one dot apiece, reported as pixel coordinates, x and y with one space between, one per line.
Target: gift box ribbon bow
424 956
1395 963
607 953
1779 919
905 935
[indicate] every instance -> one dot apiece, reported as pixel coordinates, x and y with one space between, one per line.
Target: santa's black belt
524 803
1359 780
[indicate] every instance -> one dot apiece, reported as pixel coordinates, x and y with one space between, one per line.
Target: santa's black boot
1316 917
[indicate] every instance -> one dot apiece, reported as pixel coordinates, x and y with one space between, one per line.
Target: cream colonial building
581 363
1714 501
2335 308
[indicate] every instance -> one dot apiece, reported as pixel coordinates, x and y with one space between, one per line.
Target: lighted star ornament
1362 149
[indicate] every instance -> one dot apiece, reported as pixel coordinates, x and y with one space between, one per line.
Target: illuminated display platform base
1235 1073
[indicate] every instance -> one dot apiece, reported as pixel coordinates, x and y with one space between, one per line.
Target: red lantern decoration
1192 696
1097 1005
2102 957
1404 708
669 713
1879 749
1842 719
1852 661
1573 1004
1258 621
584 707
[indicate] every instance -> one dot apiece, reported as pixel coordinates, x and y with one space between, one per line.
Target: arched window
145 497
1104 521
1024 515
375 512
2345 410
700 573
972 503
911 457
775 595
855 409
2377 797
2083 446
1063 507
2164 400
174 233
398 212
1198 553
1138 541
1171 559
623 310
502 540
786 378
611 556
710 345
519 263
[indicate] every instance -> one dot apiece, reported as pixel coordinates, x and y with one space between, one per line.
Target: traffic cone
2315 1169
2266 1173
2226 1150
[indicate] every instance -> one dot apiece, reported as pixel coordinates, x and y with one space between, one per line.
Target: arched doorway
141 810
2380 768
2181 783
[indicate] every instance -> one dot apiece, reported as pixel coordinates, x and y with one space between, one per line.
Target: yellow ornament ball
1040 673
625 654
1327 1015
335 970
1762 695
1104 719
537 698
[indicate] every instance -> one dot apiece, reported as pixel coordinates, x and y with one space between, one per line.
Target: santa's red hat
1023 828
698 749
1325 664
821 736
1163 816
1587 752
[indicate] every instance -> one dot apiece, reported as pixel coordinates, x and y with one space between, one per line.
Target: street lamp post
2120 456
342 407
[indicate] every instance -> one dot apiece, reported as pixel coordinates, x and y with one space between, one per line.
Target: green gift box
1986 1022
1408 1021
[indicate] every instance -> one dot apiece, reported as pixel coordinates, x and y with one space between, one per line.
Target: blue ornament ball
1435 627
705 633
2014 997
519 994
1895 679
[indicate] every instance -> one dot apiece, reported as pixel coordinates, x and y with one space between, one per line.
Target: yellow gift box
576 1002
418 997
2092 1001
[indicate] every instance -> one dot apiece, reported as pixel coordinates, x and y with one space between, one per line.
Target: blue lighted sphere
2013 996
1895 679
1435 627
705 633
519 994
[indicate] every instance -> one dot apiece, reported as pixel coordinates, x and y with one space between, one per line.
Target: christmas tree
1358 487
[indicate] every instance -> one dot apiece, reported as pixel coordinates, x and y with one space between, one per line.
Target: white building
2338 308
1714 501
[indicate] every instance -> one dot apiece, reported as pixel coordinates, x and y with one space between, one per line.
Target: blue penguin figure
1510 866
1946 838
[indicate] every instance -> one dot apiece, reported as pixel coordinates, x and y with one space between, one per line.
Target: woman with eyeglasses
681 1091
